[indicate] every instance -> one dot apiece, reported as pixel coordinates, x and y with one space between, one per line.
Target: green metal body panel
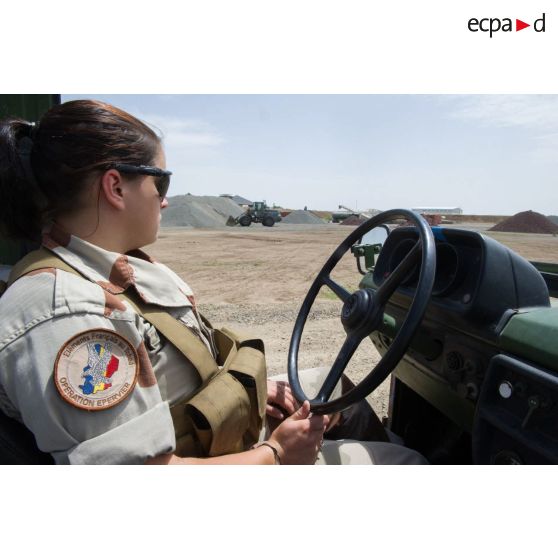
11 251
370 253
421 342
30 107
367 282
533 336
546 267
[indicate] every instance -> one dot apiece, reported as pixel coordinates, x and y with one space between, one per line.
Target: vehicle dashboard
456 367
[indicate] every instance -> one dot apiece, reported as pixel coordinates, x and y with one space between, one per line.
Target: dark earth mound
526 222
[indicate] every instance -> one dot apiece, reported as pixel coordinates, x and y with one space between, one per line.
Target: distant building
438 210
239 200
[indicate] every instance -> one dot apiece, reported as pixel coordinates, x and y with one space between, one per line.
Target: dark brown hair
44 167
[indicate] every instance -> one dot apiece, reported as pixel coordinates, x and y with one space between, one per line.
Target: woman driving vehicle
104 355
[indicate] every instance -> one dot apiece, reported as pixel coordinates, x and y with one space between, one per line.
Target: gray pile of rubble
301 217
199 211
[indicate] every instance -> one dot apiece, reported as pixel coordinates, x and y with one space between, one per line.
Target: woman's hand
299 437
280 400
297 441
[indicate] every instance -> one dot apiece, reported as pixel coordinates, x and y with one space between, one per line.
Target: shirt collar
155 283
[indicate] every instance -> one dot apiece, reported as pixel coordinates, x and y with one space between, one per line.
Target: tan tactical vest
226 414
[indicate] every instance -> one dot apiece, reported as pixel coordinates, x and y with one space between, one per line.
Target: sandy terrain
256 278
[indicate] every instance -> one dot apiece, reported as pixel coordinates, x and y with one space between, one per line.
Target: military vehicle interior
479 381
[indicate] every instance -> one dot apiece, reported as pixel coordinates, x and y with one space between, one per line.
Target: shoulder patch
96 369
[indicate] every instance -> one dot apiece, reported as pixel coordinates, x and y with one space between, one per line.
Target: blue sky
488 154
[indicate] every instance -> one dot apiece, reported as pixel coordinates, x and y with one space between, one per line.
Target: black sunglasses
162 177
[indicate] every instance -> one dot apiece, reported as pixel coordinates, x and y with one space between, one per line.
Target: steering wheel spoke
350 345
387 288
340 291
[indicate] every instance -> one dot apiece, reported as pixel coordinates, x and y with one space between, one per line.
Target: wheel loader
258 212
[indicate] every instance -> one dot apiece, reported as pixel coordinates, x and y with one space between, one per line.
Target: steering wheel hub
359 310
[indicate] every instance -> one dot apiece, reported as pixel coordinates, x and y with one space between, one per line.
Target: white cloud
547 146
537 112
535 115
183 133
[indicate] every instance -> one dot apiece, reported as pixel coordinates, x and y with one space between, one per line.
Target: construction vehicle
259 212
337 217
364 214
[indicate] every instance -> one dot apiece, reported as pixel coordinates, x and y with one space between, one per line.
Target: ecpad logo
493 25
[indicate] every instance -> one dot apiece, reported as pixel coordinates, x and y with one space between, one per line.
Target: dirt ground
256 278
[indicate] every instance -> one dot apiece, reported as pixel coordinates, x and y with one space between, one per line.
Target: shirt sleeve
136 428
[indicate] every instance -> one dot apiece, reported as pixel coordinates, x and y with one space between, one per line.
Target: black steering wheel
363 312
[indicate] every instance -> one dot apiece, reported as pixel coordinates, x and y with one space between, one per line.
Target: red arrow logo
519 25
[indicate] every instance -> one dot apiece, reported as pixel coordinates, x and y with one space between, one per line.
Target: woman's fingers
274 412
280 394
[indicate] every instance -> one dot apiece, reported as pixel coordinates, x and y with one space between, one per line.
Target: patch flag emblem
96 370
101 365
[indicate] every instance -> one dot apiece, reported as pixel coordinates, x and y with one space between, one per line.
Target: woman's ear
112 188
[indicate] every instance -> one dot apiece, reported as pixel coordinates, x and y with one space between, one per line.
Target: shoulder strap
38 259
177 333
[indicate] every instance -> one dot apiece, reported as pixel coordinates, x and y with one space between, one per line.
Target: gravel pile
301 217
199 211
526 222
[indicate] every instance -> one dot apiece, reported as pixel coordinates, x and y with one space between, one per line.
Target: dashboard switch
534 403
505 389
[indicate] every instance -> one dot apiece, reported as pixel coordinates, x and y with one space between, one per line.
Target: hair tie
32 130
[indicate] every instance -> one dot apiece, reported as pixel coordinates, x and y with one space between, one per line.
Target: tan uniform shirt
41 312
